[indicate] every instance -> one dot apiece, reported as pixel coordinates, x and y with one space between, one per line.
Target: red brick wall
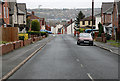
17 44
6 48
114 20
27 42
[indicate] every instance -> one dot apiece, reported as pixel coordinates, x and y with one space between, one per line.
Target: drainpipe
2 13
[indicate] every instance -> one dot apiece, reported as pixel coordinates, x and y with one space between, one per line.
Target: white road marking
90 76
81 65
77 60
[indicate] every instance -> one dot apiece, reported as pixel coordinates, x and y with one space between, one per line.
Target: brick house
116 21
106 16
87 23
21 17
32 16
4 14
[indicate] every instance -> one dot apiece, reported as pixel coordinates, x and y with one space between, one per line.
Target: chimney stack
33 13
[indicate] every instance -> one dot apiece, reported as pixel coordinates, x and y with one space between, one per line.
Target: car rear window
85 35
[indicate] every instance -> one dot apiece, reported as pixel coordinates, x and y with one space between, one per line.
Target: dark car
85 38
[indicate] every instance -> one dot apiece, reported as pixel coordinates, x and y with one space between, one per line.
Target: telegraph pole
71 25
92 15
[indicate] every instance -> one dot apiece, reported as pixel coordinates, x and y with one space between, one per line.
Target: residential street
62 58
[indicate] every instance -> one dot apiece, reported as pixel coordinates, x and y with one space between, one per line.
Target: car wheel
91 44
78 43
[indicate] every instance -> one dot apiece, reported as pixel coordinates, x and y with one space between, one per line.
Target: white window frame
7 12
4 12
0 9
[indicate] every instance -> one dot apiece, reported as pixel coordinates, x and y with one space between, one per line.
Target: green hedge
37 33
21 38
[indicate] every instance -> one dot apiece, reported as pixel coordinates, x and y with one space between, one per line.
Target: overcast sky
62 3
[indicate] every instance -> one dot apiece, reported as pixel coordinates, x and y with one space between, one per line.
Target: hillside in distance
62 14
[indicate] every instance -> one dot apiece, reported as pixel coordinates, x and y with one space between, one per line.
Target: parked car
85 38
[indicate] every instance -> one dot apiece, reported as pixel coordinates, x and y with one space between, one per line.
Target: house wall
57 27
13 18
86 23
20 19
6 16
114 21
0 9
69 29
108 18
98 20
15 15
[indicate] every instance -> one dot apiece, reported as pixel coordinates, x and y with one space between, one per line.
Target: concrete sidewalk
105 46
12 59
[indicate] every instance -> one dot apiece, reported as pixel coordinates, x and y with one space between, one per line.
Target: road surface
62 58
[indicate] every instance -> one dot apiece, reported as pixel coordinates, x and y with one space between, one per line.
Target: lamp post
92 15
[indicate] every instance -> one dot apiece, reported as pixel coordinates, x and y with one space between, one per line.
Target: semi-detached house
106 16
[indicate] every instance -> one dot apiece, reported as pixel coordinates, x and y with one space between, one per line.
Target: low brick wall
27 42
6 48
21 43
99 39
104 40
36 39
17 44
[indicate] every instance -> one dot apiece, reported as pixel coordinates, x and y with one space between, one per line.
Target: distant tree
79 17
35 25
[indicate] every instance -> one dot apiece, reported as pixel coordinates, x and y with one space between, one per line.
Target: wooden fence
9 34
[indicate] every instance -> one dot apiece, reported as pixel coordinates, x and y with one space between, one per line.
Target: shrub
34 33
108 37
81 30
21 38
100 29
21 35
44 33
3 42
35 25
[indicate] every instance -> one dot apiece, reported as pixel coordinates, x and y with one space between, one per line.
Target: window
7 12
83 22
4 13
5 25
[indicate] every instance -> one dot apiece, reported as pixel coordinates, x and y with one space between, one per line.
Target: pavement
62 58
110 48
12 59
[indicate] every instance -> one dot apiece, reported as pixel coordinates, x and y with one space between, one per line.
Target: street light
92 15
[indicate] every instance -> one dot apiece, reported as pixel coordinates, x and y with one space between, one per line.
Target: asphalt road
62 58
